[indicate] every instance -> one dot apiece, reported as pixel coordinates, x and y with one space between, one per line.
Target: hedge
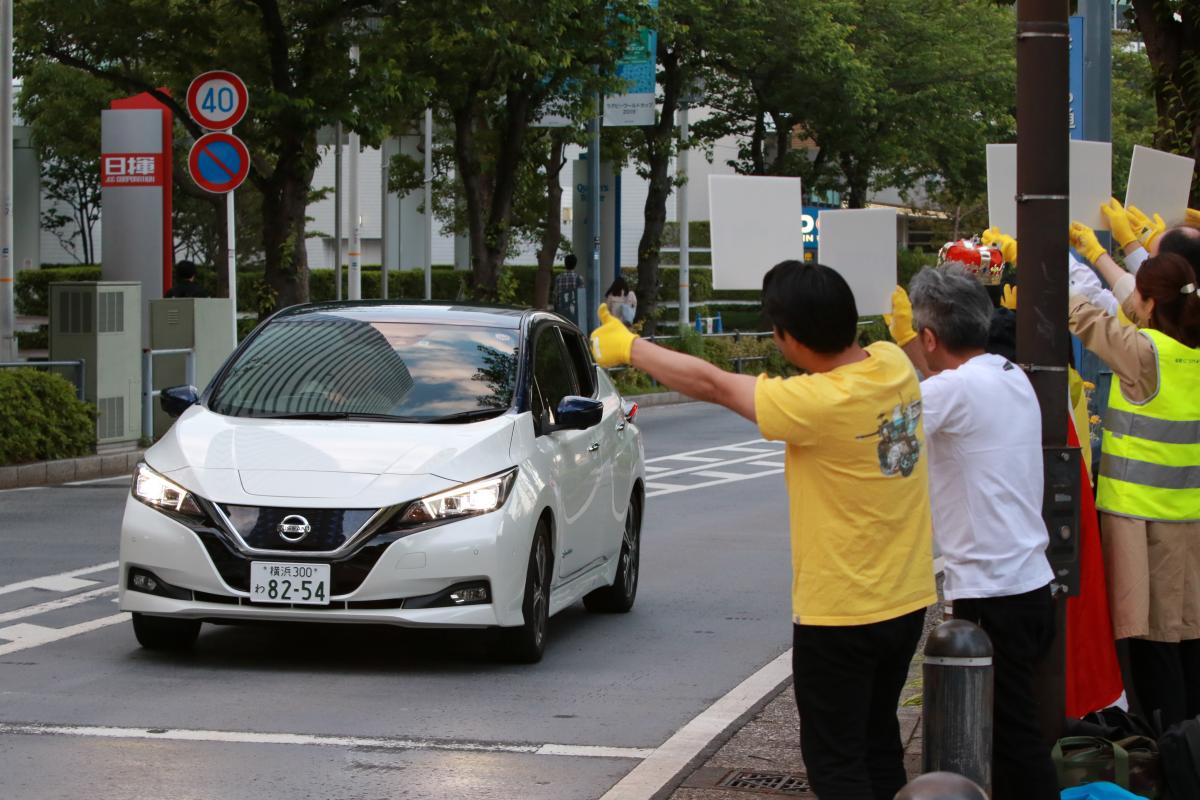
32 292
41 418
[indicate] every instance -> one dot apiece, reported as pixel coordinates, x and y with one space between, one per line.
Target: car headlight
468 500
158 492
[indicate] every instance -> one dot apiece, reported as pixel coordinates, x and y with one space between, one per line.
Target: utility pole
355 226
681 214
337 210
8 314
593 293
1043 342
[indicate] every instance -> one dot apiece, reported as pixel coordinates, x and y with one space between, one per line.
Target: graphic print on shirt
899 448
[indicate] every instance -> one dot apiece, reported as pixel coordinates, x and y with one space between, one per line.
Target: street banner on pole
636 106
1159 183
861 244
756 223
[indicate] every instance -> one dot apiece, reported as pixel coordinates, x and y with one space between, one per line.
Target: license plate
276 582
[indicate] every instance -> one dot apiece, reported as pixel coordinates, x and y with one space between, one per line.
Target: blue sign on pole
808 227
1075 98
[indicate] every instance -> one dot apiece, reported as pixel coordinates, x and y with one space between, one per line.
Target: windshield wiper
341 415
467 416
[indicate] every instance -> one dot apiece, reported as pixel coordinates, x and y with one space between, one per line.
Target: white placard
1090 184
756 222
1160 183
861 244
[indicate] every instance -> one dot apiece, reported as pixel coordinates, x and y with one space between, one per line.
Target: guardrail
80 370
148 390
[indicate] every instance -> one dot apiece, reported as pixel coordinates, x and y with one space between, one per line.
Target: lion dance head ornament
985 262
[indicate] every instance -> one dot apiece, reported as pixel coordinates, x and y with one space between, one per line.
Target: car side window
553 378
581 360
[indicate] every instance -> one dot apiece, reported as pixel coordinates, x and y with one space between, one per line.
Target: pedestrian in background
621 301
566 289
1148 490
984 429
185 283
862 561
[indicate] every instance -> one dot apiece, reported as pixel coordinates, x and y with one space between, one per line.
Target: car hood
328 458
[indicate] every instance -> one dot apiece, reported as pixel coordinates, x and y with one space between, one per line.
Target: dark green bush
42 419
32 292
34 340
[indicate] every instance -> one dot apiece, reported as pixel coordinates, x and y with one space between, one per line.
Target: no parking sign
219 162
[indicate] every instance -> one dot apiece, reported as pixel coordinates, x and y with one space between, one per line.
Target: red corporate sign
219 162
131 169
217 99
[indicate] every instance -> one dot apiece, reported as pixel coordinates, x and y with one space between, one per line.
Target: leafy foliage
41 418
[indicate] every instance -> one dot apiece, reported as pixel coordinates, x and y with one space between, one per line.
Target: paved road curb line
666 767
49 473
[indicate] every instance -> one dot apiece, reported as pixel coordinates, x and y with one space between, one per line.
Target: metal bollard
957 716
941 786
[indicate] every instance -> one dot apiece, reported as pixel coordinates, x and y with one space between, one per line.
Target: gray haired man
983 425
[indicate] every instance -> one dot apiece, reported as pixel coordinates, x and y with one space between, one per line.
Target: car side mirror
178 399
578 414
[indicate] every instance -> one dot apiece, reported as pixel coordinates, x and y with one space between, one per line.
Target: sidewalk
762 759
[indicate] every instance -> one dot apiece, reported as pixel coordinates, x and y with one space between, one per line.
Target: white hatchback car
414 465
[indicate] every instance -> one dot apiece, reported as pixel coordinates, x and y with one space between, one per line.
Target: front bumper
492 547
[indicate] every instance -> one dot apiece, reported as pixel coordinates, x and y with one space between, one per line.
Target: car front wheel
163 633
527 642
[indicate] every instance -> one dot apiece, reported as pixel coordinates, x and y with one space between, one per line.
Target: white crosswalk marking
716 461
62 582
54 605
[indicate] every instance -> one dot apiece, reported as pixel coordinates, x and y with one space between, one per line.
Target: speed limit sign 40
217 99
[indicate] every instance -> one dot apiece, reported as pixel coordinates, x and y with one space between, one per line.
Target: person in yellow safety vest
1149 484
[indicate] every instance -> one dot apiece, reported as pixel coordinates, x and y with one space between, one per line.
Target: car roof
416 311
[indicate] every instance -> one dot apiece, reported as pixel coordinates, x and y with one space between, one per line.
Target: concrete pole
429 204
337 211
355 253
8 316
681 214
593 280
1043 342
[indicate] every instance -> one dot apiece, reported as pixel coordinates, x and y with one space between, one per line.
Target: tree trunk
552 232
285 201
857 182
783 142
658 161
757 143
470 172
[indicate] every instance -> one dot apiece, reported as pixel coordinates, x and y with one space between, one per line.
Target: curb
49 473
658 399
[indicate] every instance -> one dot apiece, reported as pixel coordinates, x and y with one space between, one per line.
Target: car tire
162 633
527 642
618 598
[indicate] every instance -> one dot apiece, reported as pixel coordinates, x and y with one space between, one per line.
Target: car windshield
333 367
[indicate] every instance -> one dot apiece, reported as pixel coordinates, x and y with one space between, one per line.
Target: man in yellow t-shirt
862 562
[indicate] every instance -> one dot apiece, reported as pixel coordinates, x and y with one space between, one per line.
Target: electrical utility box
200 324
99 322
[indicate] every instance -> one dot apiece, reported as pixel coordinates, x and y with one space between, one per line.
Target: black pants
848 683
1166 677
1021 628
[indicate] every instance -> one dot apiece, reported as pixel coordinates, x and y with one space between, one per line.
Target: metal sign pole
429 204
681 214
8 318
355 228
231 255
593 282
337 211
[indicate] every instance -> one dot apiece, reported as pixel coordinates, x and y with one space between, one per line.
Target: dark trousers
848 683
1166 678
1022 630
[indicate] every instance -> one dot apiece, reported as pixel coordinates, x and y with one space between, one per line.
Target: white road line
707 450
656 469
62 582
121 478
730 476
250 737
676 489
29 636
702 459
699 467
775 464
673 755
54 605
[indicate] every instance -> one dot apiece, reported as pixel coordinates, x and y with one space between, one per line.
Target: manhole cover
773 782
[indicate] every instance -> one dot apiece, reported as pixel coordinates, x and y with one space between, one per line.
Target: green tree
293 55
492 69
1133 109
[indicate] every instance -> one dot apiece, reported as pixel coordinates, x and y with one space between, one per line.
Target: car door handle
593 447
621 425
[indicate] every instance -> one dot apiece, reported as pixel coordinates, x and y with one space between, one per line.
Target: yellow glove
1118 222
900 321
1009 300
1192 217
1084 240
1148 230
612 342
1007 244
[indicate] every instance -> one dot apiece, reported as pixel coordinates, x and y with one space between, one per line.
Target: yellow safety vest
1150 462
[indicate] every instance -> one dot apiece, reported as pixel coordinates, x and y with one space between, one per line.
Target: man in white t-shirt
983 425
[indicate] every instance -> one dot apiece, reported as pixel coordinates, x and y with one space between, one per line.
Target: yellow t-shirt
856 468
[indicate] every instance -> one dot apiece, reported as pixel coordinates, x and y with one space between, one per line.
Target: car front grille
328 528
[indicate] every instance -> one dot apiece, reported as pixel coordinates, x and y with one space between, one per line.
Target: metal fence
148 390
79 370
